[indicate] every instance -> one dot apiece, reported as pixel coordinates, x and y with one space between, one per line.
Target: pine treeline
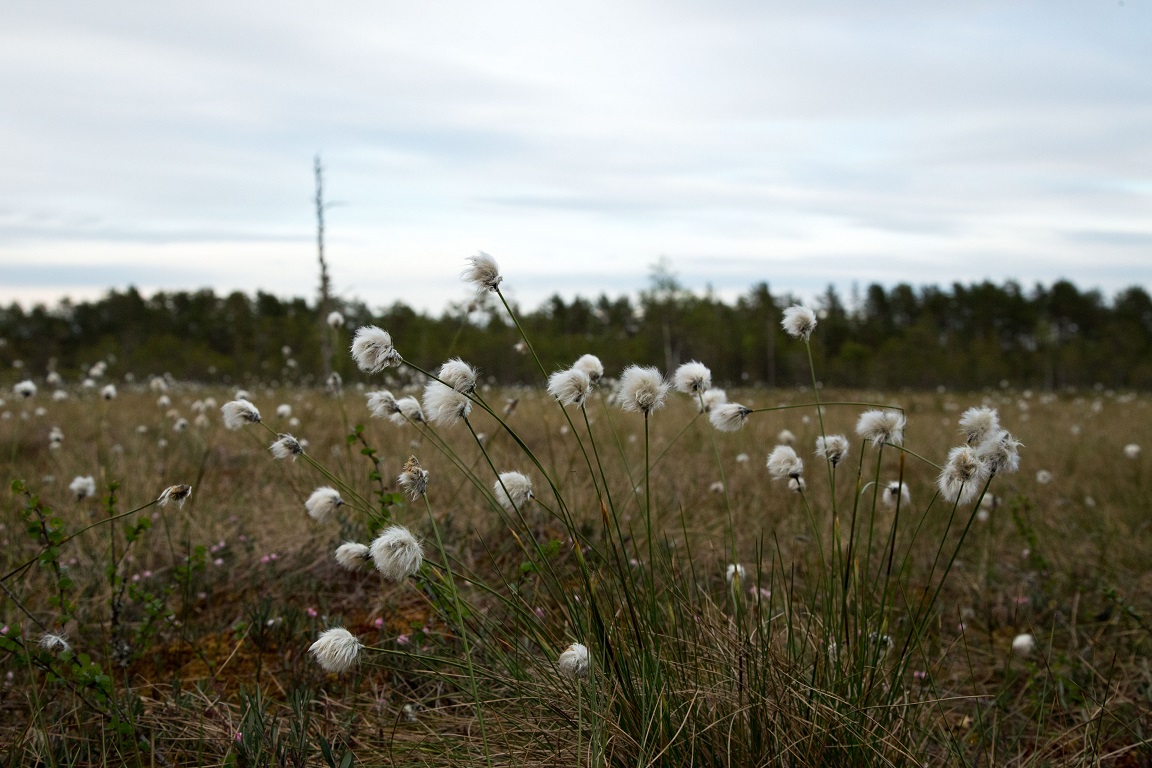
966 337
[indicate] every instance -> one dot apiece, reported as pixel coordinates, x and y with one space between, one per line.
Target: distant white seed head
323 503
54 642
1043 477
459 375
833 448
409 411
591 365
284 411
963 475
336 650
382 404
797 484
799 322
176 493
978 424
785 437
783 462
570 387
396 553
642 389
372 349
286 446
896 492
83 487
239 413
881 427
1023 645
513 490
735 571
729 417
573 662
692 378
1132 451
483 272
158 384
53 379
413 479
335 320
26 388
444 405
713 398
108 392
352 555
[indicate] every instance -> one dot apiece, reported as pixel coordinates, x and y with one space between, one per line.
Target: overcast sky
170 145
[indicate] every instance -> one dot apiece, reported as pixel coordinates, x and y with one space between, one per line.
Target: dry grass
200 655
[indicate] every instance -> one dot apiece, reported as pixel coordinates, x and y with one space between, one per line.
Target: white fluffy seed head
176 493
783 462
573 662
1023 645
483 272
372 349
286 446
896 493
54 643
785 437
444 405
108 392
729 417
881 427
335 320
382 404
1000 453
692 378
83 487
591 365
735 571
284 411
26 388
323 503
570 387
239 413
978 424
642 389
459 375
713 398
833 448
513 490
1132 451
799 322
396 553
352 555
413 479
409 411
336 650
963 475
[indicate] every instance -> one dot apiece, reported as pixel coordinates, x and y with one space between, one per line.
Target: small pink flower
403 640
265 559
218 562
239 737
311 612
1022 600
4 630
920 675
378 622
539 613
146 574
274 556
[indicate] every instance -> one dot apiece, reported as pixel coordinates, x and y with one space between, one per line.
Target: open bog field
861 626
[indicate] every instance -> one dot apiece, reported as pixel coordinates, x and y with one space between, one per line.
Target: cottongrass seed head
336 650
382 404
833 448
54 642
1132 451
396 553
785 437
26 388
799 322
712 398
881 427
591 365
642 389
83 487
285 446
413 479
1000 453
352 555
335 320
963 475
895 493
513 490
573 662
239 413
372 349
783 462
1023 645
729 417
734 571
459 375
483 272
409 411
176 493
108 392
570 387
323 503
797 484
692 378
444 405
978 424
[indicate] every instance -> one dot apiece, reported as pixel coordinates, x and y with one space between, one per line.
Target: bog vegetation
422 564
